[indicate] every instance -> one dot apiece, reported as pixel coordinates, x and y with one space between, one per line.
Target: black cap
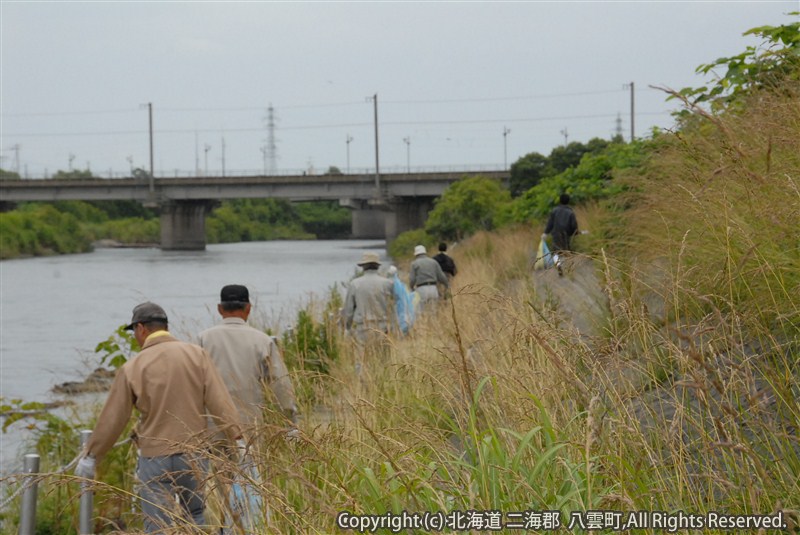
234 293
145 313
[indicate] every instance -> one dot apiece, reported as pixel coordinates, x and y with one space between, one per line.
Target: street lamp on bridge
347 142
205 150
407 141
506 131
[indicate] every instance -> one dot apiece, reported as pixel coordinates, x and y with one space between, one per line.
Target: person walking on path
562 225
425 274
445 261
175 386
368 307
250 362
248 359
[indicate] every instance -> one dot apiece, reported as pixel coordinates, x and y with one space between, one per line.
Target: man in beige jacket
248 359
175 387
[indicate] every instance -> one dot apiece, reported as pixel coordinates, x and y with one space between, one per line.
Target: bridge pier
183 225
368 222
388 220
406 214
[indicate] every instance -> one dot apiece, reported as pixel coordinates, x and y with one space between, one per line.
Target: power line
66 113
499 99
322 105
333 125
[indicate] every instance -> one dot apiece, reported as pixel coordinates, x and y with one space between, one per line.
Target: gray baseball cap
147 312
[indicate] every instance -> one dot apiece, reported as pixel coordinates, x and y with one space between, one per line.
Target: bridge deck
298 187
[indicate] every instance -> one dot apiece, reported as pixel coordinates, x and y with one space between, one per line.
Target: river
55 310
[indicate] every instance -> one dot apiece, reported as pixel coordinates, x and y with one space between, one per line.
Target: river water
55 310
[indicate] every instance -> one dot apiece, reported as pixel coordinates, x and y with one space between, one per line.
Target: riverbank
68 227
114 244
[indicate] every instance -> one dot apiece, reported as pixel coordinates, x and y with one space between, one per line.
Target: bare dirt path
577 297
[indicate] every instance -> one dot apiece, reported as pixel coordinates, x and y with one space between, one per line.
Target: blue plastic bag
246 503
544 258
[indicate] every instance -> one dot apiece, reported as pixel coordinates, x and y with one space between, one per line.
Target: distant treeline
38 228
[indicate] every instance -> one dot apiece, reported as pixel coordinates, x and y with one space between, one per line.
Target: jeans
164 477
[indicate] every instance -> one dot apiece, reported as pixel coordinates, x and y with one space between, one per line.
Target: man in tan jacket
175 387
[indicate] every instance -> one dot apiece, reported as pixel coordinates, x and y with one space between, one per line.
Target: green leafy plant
590 180
757 68
117 348
311 345
468 206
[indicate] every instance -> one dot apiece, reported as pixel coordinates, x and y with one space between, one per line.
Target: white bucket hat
420 249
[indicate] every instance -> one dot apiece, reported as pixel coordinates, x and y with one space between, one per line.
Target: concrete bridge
382 206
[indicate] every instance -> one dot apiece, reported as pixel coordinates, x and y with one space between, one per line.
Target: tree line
64 227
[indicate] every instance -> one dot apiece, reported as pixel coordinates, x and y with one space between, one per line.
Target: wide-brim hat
369 258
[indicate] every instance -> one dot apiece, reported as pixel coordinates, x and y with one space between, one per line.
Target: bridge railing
397 169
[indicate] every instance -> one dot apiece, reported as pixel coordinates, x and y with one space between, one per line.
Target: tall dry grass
688 400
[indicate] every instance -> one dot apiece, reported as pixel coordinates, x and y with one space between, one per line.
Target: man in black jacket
447 263
562 225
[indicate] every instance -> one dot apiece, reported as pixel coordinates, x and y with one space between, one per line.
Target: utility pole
196 156
632 114
407 141
506 131
71 158
16 148
348 139
377 161
205 150
566 136
150 115
264 156
223 156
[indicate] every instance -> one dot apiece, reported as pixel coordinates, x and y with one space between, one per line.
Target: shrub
468 206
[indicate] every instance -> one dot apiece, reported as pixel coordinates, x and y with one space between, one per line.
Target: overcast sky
457 83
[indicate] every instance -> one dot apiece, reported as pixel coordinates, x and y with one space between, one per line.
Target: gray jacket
426 270
368 301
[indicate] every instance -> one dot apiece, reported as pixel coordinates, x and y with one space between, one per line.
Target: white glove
293 435
241 447
86 467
